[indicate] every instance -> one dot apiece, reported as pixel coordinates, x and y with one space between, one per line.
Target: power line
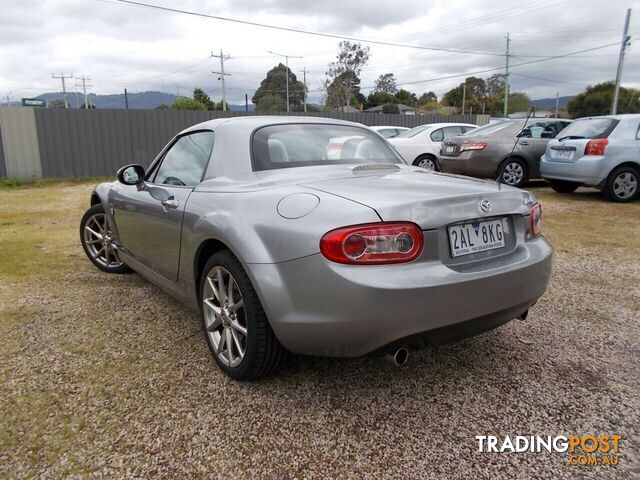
307 32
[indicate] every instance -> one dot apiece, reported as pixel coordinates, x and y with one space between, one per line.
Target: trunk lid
428 199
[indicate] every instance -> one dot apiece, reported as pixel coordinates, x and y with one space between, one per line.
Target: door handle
169 203
524 142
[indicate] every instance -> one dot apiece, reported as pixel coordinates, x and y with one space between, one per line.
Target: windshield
589 128
489 129
301 145
413 132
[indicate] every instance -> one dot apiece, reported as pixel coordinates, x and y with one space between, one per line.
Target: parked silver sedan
601 152
281 247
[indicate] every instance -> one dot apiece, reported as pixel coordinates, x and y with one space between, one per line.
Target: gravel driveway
108 376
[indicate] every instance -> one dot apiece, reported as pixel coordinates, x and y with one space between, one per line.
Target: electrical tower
84 89
63 77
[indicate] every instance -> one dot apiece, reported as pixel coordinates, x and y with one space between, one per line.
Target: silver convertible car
284 245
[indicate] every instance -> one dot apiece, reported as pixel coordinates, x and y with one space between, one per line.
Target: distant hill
550 103
139 100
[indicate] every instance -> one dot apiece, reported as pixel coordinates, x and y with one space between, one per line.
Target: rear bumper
587 170
317 307
468 164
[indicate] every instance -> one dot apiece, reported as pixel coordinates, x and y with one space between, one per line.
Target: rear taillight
596 146
373 243
472 146
535 216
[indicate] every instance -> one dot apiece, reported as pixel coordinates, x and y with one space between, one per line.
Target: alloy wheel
625 185
225 318
512 174
99 241
427 163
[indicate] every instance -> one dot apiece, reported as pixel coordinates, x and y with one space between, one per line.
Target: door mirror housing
131 175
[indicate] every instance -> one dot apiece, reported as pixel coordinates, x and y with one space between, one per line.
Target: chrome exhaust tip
398 357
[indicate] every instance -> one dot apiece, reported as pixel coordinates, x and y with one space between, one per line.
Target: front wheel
235 324
562 186
513 172
622 185
97 241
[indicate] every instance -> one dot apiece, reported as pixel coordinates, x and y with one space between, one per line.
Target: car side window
539 130
452 131
437 135
387 132
184 163
638 133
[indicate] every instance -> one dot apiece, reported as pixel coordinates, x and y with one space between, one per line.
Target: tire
513 172
623 185
245 327
428 162
95 236
562 186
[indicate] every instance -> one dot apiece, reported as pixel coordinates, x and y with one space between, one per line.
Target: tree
342 76
202 97
275 85
343 90
271 103
184 103
597 99
379 98
495 84
472 87
518 102
427 97
391 108
406 97
163 106
386 83
476 87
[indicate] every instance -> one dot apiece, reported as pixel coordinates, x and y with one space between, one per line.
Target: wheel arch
633 165
205 250
506 158
424 155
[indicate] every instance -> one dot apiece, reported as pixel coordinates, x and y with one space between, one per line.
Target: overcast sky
120 46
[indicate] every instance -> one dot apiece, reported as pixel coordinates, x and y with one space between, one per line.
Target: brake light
472 146
373 243
596 146
535 216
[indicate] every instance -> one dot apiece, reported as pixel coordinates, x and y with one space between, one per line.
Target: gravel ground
108 376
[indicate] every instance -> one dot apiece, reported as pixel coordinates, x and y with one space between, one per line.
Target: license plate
476 237
449 149
562 154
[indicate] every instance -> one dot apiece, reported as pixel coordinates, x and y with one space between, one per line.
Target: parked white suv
601 152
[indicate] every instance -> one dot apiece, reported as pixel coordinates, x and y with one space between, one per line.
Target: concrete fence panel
21 155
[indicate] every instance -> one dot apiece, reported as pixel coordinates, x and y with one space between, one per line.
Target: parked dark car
486 152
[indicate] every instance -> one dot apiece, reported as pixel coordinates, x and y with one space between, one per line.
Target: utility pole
625 42
464 95
557 103
246 102
304 80
63 77
84 89
506 81
126 99
286 60
222 58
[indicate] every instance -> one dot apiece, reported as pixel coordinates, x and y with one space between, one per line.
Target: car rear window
589 128
301 145
413 132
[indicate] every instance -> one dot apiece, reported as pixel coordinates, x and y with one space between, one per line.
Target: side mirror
131 175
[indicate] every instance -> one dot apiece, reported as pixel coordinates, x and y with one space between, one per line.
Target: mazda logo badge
485 206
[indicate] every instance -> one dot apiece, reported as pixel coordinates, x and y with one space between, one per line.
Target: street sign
33 102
